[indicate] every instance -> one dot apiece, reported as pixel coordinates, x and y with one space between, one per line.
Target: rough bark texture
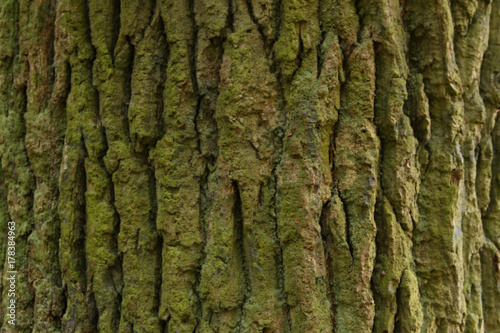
251 165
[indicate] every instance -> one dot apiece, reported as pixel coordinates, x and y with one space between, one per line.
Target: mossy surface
251 165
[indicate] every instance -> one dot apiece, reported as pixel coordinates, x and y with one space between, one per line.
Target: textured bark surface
251 165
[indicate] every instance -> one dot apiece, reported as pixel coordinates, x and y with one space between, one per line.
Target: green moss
356 178
17 176
251 166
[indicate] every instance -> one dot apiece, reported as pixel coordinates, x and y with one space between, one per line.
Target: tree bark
251 165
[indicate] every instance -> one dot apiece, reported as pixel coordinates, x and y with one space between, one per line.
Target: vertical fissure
259 26
153 218
280 267
129 72
202 206
279 135
193 48
319 48
160 117
116 24
398 313
327 240
93 312
347 227
300 54
230 15
239 231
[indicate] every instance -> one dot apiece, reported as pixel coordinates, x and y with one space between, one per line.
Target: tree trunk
251 165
